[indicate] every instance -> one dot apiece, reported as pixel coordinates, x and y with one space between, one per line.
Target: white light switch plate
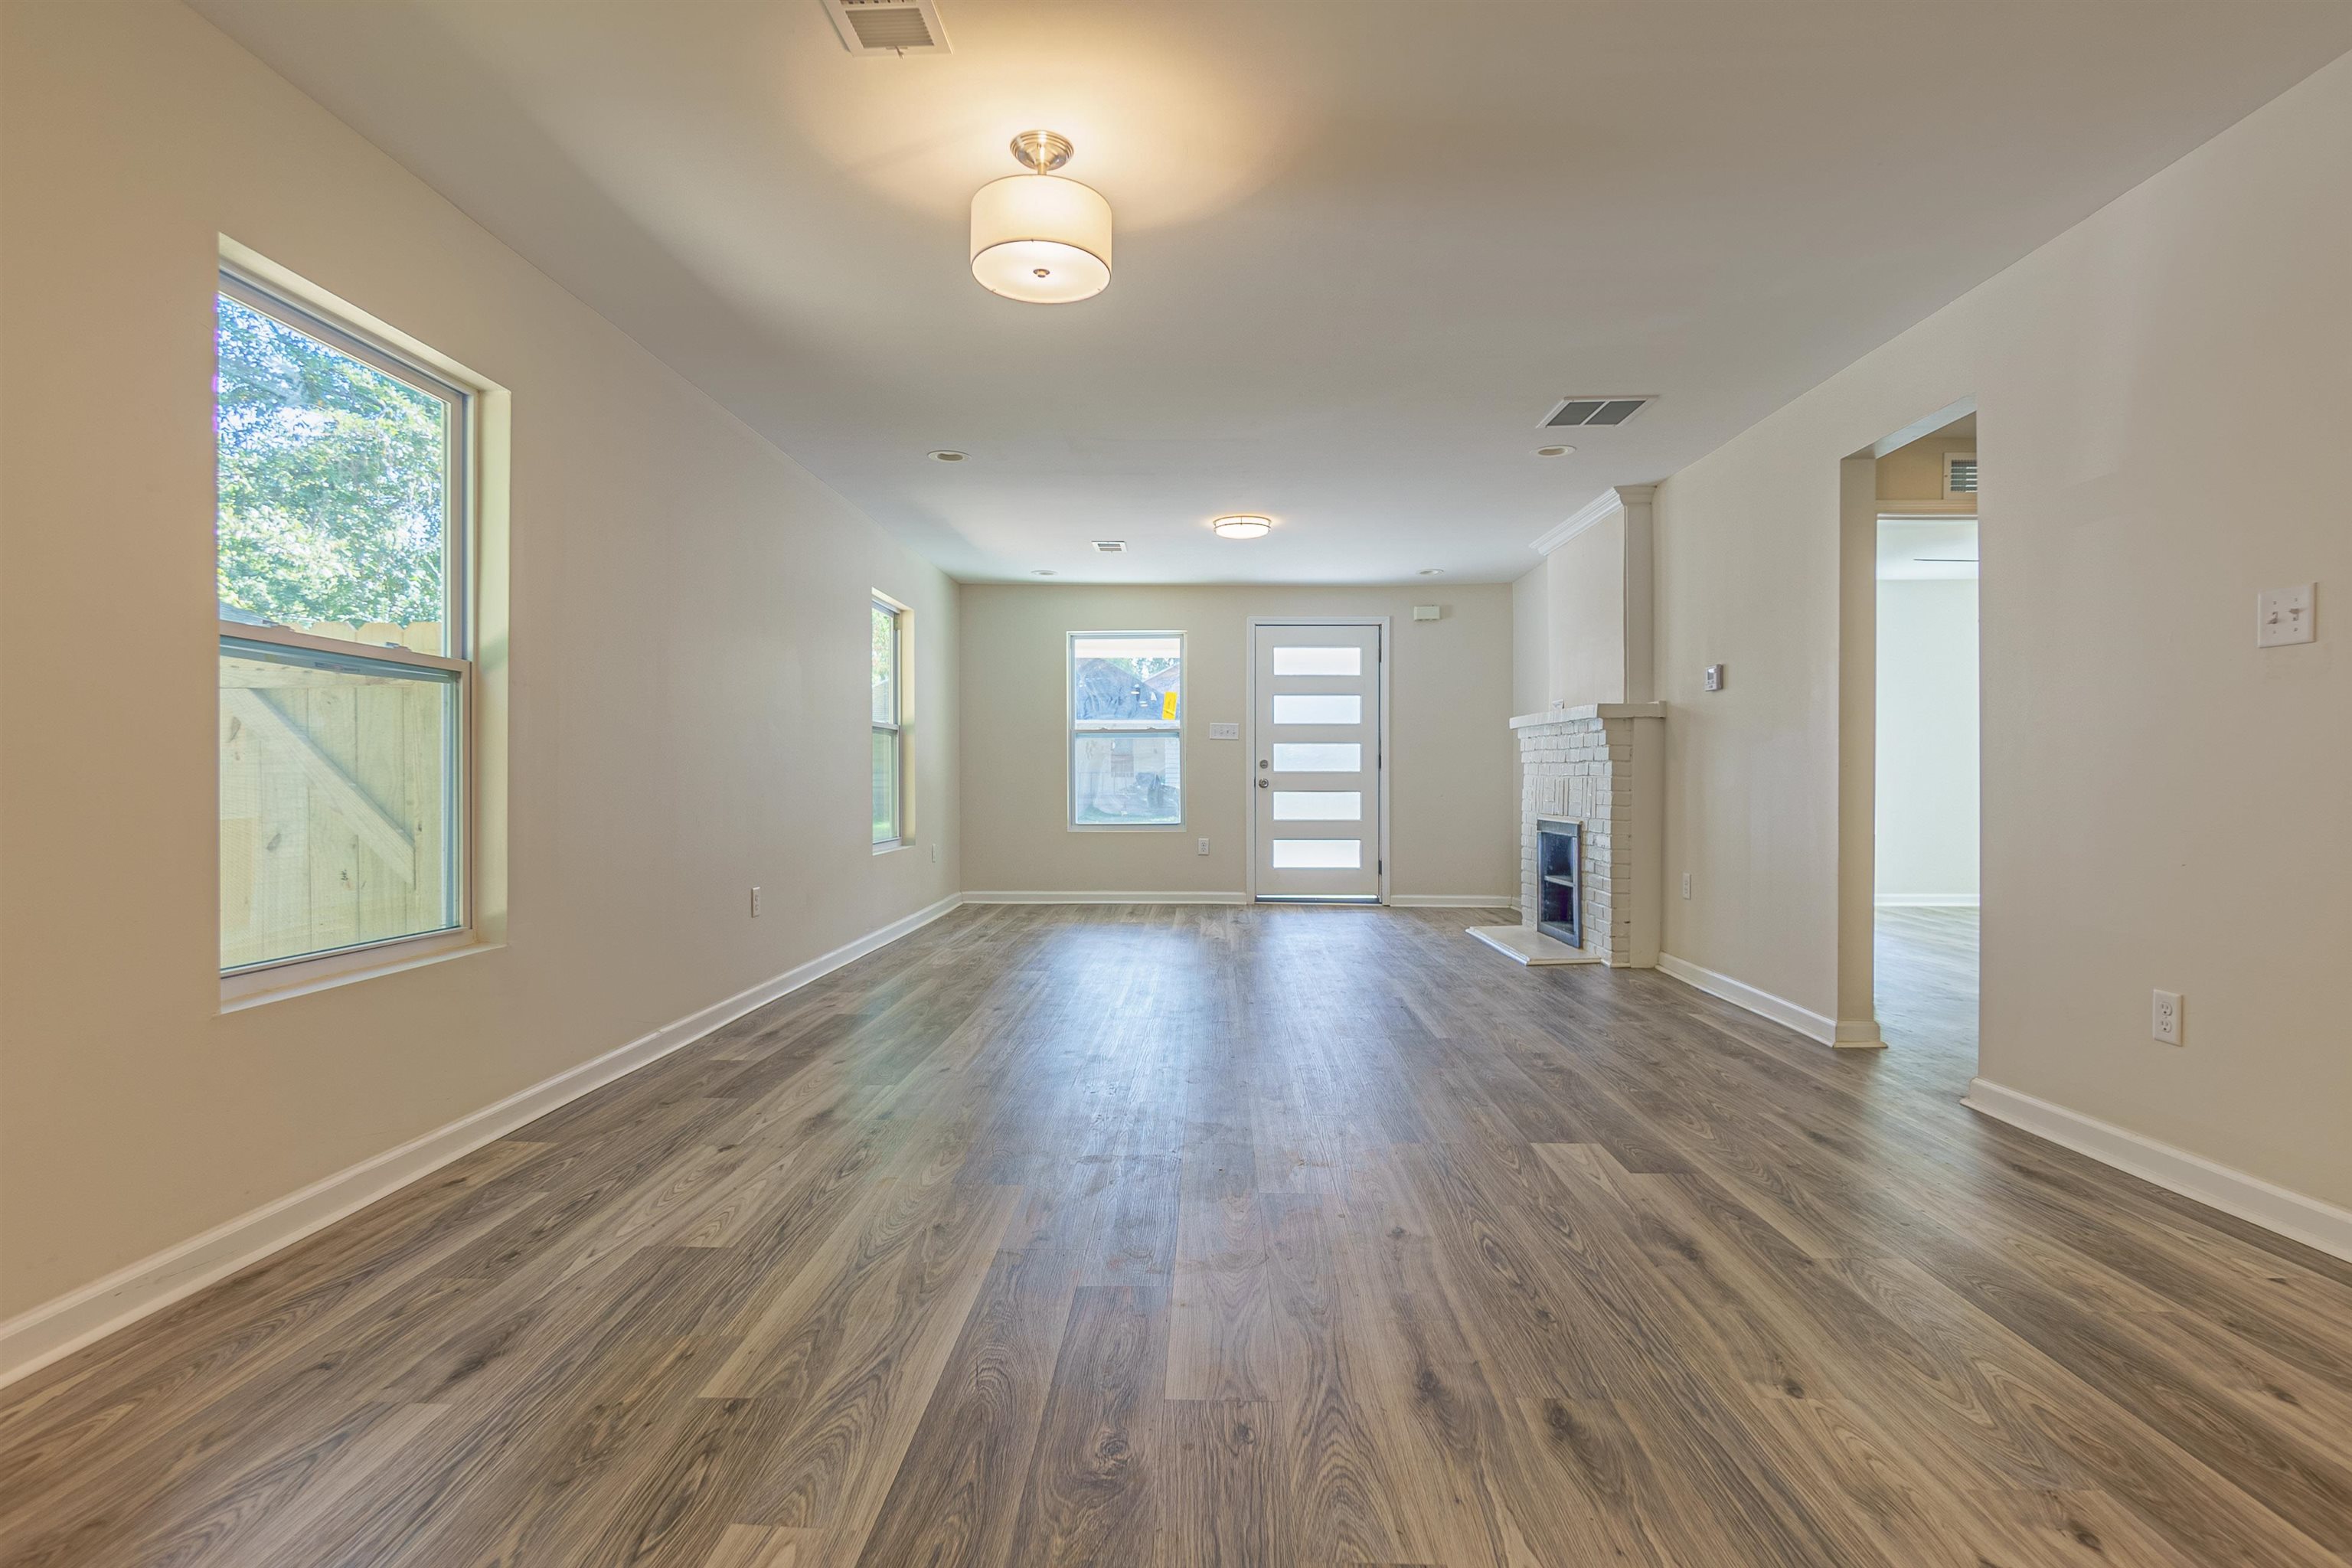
2282 615
1224 732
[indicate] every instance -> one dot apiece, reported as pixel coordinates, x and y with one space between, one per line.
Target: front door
1315 745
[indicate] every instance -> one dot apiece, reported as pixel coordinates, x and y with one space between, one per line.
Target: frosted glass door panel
1318 708
1318 661
1319 853
1318 805
1317 757
1316 820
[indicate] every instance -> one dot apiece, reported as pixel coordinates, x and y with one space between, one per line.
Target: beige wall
1927 794
1911 477
1587 619
2164 804
1531 640
688 667
1453 812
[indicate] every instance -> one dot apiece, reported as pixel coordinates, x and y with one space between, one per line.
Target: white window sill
255 988
1125 826
894 846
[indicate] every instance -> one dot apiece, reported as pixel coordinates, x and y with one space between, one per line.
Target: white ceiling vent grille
1960 475
1580 413
1111 546
888 26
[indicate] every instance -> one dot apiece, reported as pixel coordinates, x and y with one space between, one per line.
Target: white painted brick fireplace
1603 767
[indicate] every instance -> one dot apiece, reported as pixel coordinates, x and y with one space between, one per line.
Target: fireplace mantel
1592 711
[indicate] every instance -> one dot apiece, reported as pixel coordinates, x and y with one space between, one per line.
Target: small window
1959 476
1127 744
889 729
342 536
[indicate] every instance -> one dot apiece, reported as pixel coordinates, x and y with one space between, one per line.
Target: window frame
1167 728
895 728
458 577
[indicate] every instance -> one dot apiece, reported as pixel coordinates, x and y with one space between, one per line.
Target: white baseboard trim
1780 1009
2311 1221
1056 897
1453 900
1925 901
35 1338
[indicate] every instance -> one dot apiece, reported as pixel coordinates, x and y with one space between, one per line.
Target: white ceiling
1362 246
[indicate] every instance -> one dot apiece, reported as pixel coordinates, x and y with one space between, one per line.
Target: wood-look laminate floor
1212 1235
1925 974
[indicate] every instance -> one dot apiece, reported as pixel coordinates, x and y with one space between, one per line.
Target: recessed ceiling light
1553 452
1242 525
1041 573
1433 571
944 455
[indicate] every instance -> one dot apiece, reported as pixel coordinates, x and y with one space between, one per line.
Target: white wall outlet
1204 846
1686 884
935 853
755 903
1715 678
1225 732
2164 1020
2282 615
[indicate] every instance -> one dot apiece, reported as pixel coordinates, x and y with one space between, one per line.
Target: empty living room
1606 814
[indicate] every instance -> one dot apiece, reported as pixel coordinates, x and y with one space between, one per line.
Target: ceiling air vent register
1111 546
888 26
1960 475
1576 413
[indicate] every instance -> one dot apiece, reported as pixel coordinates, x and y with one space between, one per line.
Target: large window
345 674
1127 744
889 728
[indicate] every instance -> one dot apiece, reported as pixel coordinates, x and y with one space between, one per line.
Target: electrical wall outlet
1686 884
1204 846
2164 1021
755 903
935 853
1715 678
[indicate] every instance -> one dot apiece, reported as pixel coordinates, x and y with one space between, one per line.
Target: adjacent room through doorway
1924 887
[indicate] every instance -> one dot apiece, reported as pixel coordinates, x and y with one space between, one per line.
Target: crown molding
1603 505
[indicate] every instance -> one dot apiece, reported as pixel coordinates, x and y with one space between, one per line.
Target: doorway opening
1925 827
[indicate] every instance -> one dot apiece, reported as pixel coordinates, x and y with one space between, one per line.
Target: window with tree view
1126 729
340 542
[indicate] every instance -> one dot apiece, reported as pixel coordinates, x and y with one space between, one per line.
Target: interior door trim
1250 754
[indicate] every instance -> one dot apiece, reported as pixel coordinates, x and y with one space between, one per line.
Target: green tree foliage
331 481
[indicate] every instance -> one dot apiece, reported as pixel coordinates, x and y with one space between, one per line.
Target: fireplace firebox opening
1559 893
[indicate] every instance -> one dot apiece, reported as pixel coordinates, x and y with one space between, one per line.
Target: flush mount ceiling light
1039 237
946 456
1553 452
1242 525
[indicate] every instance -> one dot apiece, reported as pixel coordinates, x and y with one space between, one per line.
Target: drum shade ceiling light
1037 237
1243 526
